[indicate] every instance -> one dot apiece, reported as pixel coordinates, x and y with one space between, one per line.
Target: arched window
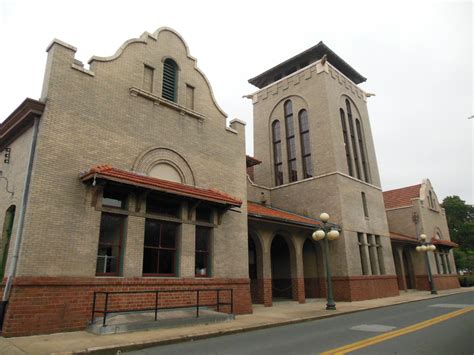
305 144
353 138
6 236
277 161
362 150
346 142
170 70
290 141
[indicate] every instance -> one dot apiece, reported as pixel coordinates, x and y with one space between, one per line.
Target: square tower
312 133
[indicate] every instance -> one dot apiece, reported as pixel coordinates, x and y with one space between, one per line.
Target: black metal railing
198 302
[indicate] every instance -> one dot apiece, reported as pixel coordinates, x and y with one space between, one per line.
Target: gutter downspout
21 222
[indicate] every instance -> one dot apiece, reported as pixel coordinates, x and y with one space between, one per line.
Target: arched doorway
6 236
281 269
407 265
311 270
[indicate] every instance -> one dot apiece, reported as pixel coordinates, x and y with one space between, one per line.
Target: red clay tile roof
447 243
109 173
261 211
402 238
401 197
406 238
251 161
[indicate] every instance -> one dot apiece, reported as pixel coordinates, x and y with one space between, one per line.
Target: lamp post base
330 307
434 292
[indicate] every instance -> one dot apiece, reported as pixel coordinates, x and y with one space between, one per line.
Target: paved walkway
263 317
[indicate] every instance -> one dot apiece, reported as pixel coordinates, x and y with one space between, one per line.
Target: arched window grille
362 150
353 138
345 135
305 144
290 141
170 70
277 159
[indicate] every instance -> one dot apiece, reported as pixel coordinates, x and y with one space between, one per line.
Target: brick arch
159 155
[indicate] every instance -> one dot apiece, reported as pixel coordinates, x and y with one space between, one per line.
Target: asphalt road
452 335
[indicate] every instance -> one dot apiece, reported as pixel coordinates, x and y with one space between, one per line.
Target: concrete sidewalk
281 313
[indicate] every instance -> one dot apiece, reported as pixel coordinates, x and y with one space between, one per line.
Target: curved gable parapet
162 29
144 39
121 49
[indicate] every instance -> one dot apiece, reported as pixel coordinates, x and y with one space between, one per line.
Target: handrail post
197 304
156 306
93 308
218 299
105 308
231 301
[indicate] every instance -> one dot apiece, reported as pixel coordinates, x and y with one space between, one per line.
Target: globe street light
327 233
424 247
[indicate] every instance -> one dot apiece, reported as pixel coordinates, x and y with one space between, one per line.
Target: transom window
113 197
161 205
159 257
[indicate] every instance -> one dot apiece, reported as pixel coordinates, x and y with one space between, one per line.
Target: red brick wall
442 282
358 288
40 305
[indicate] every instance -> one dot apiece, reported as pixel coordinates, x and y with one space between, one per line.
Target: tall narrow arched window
170 79
305 144
353 138
277 160
290 141
6 236
345 135
363 151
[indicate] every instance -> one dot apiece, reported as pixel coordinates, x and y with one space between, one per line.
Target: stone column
266 282
402 268
186 246
297 270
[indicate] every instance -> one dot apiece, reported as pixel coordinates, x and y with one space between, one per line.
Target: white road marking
376 328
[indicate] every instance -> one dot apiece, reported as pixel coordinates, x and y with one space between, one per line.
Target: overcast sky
417 57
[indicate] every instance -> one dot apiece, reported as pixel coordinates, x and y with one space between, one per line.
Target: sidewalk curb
113 349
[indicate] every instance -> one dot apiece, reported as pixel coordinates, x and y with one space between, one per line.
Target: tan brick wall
92 118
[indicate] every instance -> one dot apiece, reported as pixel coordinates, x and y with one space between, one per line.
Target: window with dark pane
204 214
353 138
346 142
252 260
277 158
363 151
159 256
170 70
290 141
110 245
364 204
203 237
305 144
114 197
161 205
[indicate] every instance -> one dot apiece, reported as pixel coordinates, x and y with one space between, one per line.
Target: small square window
204 214
113 197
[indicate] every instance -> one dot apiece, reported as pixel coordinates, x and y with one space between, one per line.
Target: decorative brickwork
40 305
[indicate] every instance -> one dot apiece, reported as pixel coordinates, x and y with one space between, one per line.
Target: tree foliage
460 218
